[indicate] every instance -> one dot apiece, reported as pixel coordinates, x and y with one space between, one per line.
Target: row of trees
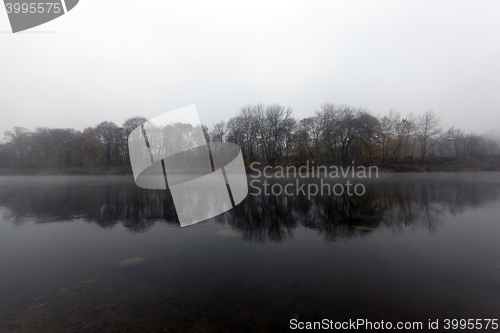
343 133
268 134
95 147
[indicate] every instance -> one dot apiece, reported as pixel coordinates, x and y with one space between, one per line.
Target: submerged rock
130 262
88 281
365 228
365 218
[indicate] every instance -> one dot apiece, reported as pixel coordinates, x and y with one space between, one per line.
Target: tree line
265 133
103 146
342 134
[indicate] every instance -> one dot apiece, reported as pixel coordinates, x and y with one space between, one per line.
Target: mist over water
413 247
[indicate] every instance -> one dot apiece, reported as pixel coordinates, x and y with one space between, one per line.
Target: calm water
415 247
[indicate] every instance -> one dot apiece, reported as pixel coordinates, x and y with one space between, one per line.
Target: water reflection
395 202
59 277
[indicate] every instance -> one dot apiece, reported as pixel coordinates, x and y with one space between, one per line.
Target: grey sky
114 59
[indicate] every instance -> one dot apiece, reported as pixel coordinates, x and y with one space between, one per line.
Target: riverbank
433 164
444 164
66 172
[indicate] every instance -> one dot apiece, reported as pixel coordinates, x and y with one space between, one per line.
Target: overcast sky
114 59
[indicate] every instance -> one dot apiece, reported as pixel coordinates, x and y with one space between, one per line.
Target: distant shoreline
434 165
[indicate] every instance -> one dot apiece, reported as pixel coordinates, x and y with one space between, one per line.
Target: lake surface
414 247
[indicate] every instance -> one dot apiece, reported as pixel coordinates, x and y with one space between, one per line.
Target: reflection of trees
410 204
117 200
334 217
390 204
265 218
106 204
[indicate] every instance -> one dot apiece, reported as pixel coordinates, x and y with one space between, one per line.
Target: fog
116 59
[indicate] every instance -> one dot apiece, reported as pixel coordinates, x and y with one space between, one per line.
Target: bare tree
428 127
218 133
397 136
327 118
132 123
276 123
455 136
18 140
345 129
303 139
467 146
